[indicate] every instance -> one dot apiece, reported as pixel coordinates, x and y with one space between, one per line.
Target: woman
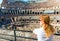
46 31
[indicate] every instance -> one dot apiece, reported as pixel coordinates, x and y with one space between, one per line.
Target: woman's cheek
40 23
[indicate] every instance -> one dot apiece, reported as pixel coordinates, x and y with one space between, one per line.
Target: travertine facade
48 4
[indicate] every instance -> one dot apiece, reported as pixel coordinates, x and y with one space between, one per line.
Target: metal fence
16 35
19 35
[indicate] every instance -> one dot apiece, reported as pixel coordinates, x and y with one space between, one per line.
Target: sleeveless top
41 35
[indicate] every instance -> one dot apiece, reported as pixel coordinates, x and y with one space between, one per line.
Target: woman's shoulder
38 29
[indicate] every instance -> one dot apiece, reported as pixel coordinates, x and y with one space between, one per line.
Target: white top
41 35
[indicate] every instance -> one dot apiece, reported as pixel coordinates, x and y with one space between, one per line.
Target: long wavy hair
49 30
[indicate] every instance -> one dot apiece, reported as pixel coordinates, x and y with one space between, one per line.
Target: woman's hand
34 35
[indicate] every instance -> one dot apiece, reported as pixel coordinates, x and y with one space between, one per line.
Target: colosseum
24 17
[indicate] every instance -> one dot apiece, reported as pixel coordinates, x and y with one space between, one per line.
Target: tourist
46 31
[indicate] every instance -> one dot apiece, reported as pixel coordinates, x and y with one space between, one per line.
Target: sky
24 0
0 1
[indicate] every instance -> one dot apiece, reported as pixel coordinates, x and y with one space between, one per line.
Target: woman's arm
35 33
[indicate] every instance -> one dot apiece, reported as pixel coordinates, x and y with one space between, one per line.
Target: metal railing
15 37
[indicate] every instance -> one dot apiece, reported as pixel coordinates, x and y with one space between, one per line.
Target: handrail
20 36
18 30
23 31
4 38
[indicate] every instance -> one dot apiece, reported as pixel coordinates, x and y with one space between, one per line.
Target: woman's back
41 35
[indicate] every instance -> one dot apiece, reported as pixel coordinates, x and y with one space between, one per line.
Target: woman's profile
46 31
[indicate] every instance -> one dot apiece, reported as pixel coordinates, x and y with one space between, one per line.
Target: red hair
47 27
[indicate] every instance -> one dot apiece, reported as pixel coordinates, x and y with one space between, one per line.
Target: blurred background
18 18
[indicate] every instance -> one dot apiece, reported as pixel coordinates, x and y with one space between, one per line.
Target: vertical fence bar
15 35
14 32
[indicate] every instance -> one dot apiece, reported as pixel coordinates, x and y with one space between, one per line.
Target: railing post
14 33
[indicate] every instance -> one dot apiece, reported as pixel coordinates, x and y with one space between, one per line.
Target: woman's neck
44 25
